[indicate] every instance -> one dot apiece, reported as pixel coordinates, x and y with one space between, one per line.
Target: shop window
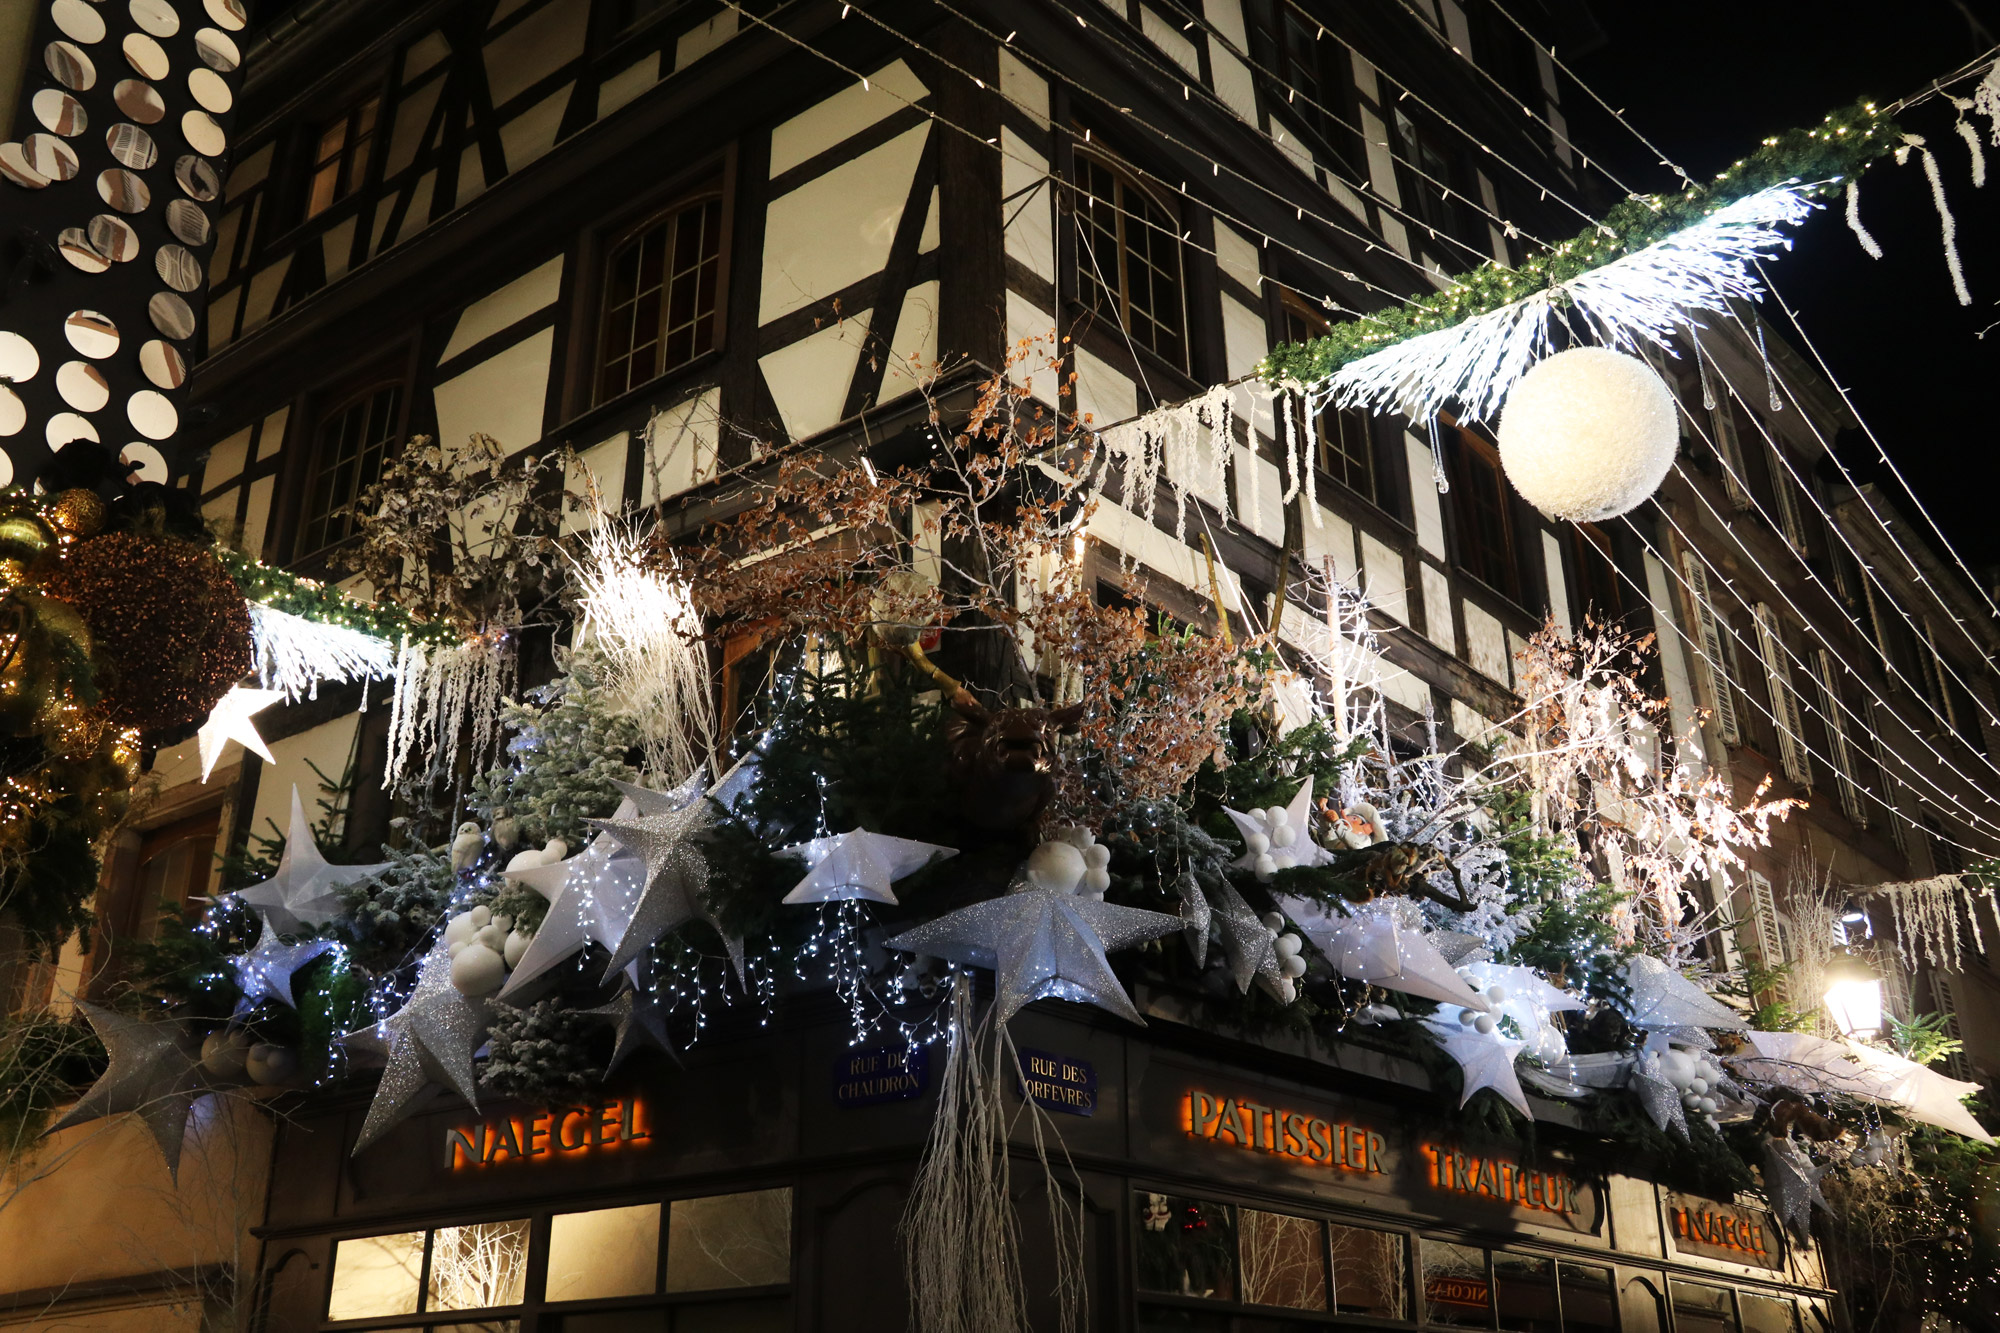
1524 1293
1482 514
1702 1309
1457 1287
1345 436
340 156
730 1240
1768 1314
377 1275
1187 1247
1370 1272
1283 1261
608 1252
477 1267
350 444
660 285
1128 262
1588 1303
766 1316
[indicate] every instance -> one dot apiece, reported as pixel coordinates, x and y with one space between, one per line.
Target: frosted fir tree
571 739
541 1053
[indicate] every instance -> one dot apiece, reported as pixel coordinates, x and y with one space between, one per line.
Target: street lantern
1853 997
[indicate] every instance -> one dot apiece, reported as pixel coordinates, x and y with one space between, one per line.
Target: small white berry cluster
1695 1076
1272 841
1290 948
483 947
1484 1023
1071 861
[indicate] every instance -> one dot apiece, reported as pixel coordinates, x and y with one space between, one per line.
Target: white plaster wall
504 307
503 396
681 452
1383 578
327 745
1485 643
1437 610
836 229
844 115
809 379
1552 569
1425 503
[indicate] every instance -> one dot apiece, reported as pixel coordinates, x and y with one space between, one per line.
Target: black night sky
1706 80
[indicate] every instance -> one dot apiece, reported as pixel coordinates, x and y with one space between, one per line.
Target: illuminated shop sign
1258 1128
1701 1227
563 1131
1468 1291
1497 1178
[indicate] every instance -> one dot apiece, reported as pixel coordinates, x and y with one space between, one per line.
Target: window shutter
1714 649
1898 833
1735 480
1767 929
1944 1000
1784 699
1838 743
1790 517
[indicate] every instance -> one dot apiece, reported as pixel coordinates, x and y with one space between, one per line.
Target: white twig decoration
1931 915
294 654
448 700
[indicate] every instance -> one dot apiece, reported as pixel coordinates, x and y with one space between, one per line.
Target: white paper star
1043 943
590 899
675 888
1372 946
1485 1059
859 864
266 971
304 891
1663 998
1298 815
230 721
429 1041
155 1071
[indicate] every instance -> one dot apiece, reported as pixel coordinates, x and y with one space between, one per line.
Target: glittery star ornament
305 891
674 890
1485 1060
1373 946
1663 998
638 1021
1250 946
230 721
265 973
154 1071
1791 1183
429 1041
1657 1095
1042 943
859 864
1196 912
590 895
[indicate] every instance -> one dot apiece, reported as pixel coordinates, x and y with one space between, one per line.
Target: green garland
322 602
1842 145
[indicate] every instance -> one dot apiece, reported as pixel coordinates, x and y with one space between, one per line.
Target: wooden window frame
1300 323
1465 446
324 410
1097 274
668 217
350 161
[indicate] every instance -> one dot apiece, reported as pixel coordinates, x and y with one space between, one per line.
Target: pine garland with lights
284 591
1822 157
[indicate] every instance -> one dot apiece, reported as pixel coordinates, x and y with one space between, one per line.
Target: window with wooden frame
1313 75
350 442
1128 258
340 153
1427 176
1345 437
1597 590
1482 515
661 285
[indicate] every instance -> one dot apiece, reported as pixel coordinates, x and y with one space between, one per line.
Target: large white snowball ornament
1588 434
478 970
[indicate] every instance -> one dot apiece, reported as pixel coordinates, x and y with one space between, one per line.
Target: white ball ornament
460 930
1497 994
1677 1068
1096 881
1698 1086
492 936
517 945
478 970
1709 1105
1284 835
1272 921
1283 859
1257 844
481 916
267 1064
1484 1024
1588 434
1277 816
1263 868
1097 856
1287 945
1292 966
1056 865
223 1054
1467 1015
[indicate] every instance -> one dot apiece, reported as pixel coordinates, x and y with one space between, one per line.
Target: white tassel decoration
1947 224
294 654
1868 242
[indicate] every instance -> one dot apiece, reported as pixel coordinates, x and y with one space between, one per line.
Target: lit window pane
730 1240
1768 1314
1524 1289
610 1252
1455 1287
1186 1246
478 1267
1284 1261
1587 1302
1370 1272
376 1275
1700 1309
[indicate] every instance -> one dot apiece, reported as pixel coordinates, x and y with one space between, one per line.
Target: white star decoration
1298 815
1372 946
675 885
266 971
429 1041
304 891
590 899
155 1070
859 864
1485 1059
230 721
1043 943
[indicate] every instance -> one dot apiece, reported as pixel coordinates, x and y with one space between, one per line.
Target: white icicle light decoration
1631 302
1934 915
1190 443
1588 434
447 698
294 654
644 623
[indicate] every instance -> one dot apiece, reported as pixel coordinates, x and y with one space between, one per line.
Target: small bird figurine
506 828
465 848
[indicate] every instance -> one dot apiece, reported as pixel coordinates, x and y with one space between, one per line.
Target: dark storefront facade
759 1188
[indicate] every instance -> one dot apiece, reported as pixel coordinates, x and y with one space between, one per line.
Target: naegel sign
1715 1231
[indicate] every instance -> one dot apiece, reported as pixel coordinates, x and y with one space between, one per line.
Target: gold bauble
76 512
27 685
25 537
63 621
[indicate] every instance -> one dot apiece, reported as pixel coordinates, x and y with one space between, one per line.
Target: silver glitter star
304 892
638 1021
1249 944
429 1041
1660 1098
1791 1183
265 973
1196 912
675 890
591 896
1042 943
155 1071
